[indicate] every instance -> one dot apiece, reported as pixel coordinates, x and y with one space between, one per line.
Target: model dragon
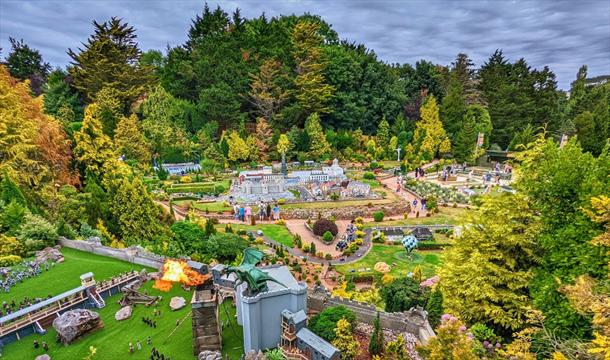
248 273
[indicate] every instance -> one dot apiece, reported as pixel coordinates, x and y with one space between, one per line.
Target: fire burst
178 271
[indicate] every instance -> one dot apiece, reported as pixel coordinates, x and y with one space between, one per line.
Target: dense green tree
325 323
130 141
59 96
312 91
110 58
487 272
383 136
453 108
402 294
93 148
189 236
517 96
109 109
10 191
135 211
25 63
476 120
268 90
430 136
559 183
318 146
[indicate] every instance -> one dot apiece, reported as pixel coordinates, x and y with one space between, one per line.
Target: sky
561 34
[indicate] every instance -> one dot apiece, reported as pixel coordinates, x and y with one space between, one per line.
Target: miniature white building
334 171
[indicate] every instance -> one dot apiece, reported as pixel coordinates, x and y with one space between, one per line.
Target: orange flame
178 271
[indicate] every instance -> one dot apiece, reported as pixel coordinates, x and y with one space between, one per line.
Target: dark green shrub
368 176
328 236
378 216
322 225
324 323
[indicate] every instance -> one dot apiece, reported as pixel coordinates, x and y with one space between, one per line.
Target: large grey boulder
49 254
75 323
43 357
177 303
209 355
124 313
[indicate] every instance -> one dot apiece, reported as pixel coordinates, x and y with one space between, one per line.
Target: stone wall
134 254
347 212
414 321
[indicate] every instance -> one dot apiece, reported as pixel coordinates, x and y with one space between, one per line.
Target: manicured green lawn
66 275
212 207
278 233
396 257
112 341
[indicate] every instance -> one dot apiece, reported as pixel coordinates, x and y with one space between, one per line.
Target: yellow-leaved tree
430 137
344 340
93 147
238 149
486 273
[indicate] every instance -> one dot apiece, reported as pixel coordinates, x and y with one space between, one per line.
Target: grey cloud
560 34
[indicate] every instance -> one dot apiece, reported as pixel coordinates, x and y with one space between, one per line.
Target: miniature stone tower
204 305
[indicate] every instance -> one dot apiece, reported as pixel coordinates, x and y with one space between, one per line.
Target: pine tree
318 145
109 109
344 340
453 107
383 135
312 92
266 89
263 138
487 272
376 343
10 191
59 96
476 120
110 57
135 211
430 135
93 148
25 63
130 141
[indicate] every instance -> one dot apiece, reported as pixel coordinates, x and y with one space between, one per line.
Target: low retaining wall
135 255
414 321
348 212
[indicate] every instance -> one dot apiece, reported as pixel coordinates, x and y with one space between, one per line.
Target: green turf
278 233
395 256
112 341
65 276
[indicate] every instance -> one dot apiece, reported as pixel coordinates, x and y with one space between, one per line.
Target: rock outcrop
51 254
124 313
209 355
75 323
177 303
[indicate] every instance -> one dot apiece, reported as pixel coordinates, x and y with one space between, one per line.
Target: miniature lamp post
398 151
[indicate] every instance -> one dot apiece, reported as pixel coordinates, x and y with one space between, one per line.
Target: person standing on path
268 211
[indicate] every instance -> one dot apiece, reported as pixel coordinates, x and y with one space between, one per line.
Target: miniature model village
274 289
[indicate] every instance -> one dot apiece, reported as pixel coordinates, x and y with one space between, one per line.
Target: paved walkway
407 196
297 226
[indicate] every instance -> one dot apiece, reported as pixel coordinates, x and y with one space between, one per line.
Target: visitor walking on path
248 213
276 212
241 213
261 211
268 209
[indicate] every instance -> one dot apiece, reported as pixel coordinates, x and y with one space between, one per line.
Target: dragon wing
252 257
